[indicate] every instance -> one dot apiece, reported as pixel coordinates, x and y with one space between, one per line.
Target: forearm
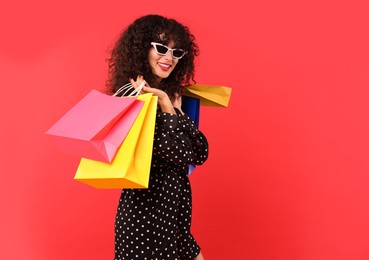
166 105
178 141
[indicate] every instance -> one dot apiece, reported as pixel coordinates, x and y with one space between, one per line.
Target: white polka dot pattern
155 223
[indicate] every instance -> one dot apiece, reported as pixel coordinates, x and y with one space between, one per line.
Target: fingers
139 79
136 83
146 88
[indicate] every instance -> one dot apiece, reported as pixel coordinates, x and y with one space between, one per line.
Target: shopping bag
195 95
130 167
191 106
209 95
96 126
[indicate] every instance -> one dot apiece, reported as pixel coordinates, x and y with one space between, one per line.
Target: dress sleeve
178 141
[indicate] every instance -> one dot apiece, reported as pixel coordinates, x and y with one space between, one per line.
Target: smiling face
162 65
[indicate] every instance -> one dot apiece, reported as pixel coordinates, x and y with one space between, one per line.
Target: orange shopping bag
209 95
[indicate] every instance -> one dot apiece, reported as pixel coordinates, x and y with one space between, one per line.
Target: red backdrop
287 176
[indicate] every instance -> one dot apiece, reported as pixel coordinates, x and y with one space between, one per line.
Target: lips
164 66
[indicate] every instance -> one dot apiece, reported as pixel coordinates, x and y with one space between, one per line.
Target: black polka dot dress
155 223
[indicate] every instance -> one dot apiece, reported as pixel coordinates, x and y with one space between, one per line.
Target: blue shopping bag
191 106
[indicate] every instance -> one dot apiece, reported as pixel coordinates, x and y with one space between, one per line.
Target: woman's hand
163 99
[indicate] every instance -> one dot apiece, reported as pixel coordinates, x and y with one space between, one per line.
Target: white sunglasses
163 50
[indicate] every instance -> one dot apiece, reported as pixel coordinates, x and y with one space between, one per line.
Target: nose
169 56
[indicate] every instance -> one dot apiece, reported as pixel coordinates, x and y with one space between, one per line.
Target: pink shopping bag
96 126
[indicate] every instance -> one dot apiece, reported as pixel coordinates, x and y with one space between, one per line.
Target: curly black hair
129 57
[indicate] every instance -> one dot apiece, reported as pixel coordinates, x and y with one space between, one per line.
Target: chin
161 76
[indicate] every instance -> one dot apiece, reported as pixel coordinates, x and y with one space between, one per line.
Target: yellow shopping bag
209 95
130 167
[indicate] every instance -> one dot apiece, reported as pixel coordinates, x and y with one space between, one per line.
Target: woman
155 223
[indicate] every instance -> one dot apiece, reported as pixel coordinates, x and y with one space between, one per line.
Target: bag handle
127 87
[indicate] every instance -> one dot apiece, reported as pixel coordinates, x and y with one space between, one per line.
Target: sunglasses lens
177 53
161 49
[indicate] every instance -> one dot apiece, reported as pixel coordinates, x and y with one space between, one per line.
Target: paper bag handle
127 87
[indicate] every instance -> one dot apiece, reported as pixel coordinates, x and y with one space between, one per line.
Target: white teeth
164 65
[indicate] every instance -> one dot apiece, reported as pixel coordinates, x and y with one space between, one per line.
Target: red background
287 176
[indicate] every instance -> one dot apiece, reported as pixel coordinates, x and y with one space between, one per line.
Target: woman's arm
177 140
